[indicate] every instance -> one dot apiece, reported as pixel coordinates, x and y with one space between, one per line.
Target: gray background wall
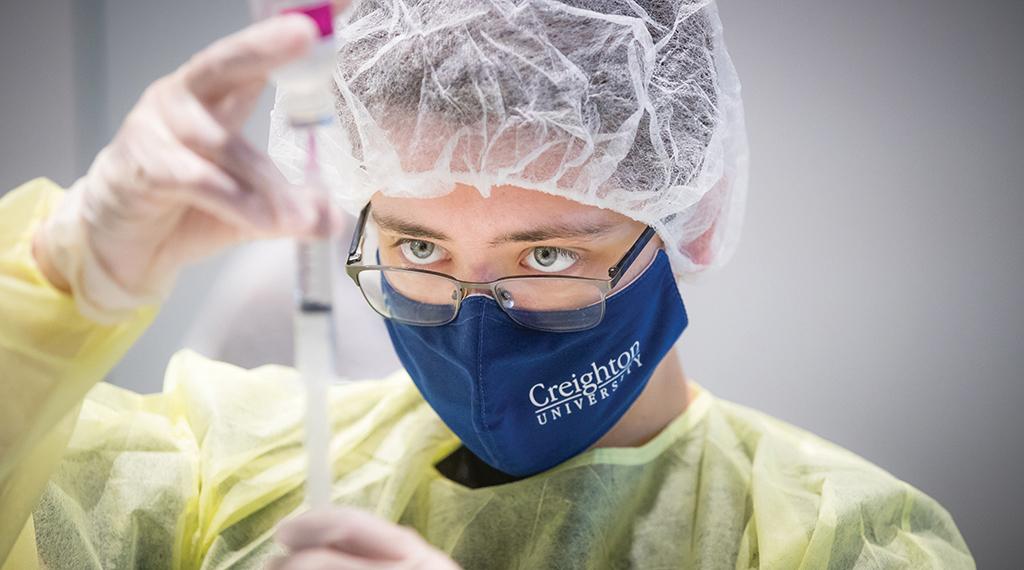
875 298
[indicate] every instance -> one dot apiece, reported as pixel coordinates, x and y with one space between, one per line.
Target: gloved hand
349 539
179 182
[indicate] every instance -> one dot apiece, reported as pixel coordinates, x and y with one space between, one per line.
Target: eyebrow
557 231
537 234
405 227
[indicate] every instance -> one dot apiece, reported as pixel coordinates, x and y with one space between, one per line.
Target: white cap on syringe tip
305 84
308 107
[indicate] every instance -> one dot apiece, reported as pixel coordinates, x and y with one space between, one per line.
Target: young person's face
514 231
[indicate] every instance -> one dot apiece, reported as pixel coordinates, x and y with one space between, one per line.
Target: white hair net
629 105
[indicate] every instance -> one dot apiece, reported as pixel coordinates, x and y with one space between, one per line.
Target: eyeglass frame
615 272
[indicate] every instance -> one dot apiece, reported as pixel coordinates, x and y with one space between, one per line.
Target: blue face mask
525 400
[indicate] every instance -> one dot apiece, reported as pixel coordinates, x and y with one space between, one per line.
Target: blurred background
875 299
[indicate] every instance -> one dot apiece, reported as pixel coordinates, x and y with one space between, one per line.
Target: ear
699 250
711 205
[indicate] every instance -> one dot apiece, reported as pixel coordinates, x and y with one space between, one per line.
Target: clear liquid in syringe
314 344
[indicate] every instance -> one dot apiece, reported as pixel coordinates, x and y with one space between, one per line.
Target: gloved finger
325 559
179 175
207 129
191 122
234 203
254 216
257 172
259 200
247 211
248 55
234 109
160 165
351 531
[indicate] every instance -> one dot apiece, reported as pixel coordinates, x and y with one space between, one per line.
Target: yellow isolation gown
197 476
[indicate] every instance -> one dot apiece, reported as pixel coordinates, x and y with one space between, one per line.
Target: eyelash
399 242
574 256
560 250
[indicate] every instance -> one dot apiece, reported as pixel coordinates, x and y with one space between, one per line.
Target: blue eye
421 252
550 259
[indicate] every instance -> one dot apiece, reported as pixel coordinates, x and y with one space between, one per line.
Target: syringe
307 104
314 338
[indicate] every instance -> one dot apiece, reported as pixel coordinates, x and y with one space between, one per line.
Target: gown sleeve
94 476
50 357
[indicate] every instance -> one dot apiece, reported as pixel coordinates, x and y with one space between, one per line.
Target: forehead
464 211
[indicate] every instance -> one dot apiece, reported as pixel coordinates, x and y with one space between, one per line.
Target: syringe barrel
314 260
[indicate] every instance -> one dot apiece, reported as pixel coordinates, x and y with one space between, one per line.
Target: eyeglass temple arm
355 250
619 269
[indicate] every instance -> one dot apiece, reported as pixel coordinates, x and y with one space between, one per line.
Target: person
533 179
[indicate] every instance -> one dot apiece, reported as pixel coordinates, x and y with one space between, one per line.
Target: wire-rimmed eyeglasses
555 303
